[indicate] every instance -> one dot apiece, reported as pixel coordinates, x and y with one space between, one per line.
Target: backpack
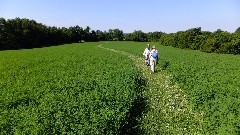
154 54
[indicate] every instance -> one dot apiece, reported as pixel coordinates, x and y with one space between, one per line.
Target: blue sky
128 15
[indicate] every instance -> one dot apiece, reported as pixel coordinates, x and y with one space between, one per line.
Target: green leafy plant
68 89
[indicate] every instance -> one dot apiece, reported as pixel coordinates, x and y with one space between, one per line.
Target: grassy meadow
84 89
211 81
67 89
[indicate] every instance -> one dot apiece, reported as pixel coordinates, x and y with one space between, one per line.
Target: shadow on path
139 107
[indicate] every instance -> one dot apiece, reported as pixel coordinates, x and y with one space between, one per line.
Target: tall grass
68 89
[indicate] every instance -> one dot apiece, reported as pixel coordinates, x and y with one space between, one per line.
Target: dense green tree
198 41
87 34
128 37
180 40
139 36
168 40
222 37
218 41
115 34
101 35
3 36
154 36
209 45
24 33
190 36
93 36
235 44
118 35
77 33
66 35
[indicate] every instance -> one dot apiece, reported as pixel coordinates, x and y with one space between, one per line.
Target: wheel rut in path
168 110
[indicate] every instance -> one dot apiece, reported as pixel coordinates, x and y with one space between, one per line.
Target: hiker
153 58
146 53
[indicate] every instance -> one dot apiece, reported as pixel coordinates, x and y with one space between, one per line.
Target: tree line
218 41
24 33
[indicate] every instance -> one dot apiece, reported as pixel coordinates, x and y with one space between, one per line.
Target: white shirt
146 52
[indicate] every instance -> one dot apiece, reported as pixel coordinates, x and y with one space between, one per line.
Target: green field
85 89
72 89
211 81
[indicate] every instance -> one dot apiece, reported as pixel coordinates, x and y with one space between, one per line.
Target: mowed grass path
84 89
167 111
209 82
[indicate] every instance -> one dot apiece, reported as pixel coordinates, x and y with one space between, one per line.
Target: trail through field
168 110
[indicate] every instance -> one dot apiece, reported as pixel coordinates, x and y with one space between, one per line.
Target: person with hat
146 53
153 58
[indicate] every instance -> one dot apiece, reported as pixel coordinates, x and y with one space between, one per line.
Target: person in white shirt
153 58
146 53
